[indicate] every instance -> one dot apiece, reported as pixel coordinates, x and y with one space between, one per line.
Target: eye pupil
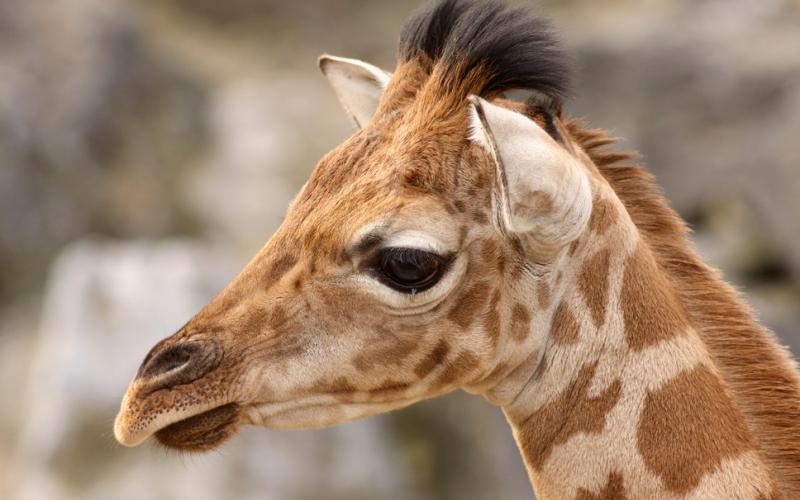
410 270
406 271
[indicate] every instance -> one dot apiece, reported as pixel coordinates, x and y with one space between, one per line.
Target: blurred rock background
148 148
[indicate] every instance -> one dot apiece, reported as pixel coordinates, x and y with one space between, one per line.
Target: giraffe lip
204 431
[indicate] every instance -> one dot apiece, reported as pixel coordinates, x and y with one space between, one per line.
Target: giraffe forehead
410 146
427 196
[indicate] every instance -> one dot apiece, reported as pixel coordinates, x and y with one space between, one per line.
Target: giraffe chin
202 432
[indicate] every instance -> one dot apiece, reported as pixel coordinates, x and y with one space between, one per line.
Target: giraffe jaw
318 411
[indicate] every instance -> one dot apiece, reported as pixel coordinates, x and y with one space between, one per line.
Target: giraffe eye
409 270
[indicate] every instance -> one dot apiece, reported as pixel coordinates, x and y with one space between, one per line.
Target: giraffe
462 240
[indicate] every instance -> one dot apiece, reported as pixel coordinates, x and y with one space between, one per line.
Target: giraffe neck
626 401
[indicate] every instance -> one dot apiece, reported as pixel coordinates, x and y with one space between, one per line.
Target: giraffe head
419 257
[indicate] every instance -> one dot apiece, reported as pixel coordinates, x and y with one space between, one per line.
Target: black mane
512 48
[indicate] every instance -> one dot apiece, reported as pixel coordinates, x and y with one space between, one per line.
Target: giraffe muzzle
170 396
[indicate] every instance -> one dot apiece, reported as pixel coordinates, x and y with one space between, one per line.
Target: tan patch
603 216
593 283
497 372
491 320
505 375
565 328
469 304
695 410
520 322
572 412
432 359
652 312
613 490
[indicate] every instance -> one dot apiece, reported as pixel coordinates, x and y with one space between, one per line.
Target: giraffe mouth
187 429
204 431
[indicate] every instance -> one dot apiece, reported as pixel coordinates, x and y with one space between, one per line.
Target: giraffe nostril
179 363
169 359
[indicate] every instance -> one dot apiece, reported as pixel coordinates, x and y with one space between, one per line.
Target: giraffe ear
357 84
543 192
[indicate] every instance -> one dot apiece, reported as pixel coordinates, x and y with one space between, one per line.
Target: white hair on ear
475 131
358 85
530 162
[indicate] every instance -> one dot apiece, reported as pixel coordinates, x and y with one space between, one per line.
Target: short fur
489 335
755 366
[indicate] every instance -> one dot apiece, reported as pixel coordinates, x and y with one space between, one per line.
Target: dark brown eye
409 270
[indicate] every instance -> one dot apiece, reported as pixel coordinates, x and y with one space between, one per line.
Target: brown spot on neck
651 309
565 328
543 294
572 412
520 322
593 282
604 215
480 217
614 489
688 427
